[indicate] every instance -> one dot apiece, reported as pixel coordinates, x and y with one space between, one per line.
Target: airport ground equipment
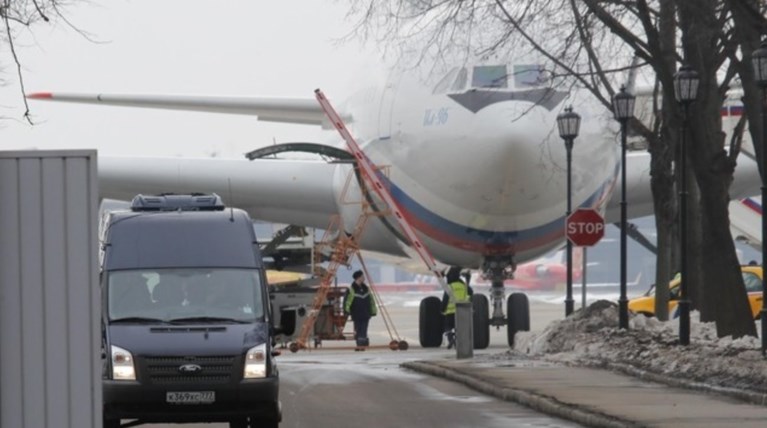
342 247
324 319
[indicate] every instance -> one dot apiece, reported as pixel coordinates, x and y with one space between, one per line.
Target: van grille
164 370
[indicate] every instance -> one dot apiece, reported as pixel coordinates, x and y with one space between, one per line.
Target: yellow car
752 277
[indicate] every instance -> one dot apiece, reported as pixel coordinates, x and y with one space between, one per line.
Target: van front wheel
111 423
238 423
263 423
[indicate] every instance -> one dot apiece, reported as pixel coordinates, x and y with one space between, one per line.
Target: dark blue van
186 315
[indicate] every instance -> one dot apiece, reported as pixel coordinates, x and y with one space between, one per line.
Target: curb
538 402
750 397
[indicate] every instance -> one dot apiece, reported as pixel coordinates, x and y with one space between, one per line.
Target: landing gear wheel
294 347
517 315
402 345
430 322
481 321
393 345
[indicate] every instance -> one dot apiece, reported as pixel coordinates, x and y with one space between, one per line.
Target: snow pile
592 337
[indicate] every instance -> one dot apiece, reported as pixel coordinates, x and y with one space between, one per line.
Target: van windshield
167 295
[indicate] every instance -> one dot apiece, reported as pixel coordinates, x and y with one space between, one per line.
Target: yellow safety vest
461 294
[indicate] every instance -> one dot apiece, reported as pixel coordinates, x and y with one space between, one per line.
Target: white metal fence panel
50 366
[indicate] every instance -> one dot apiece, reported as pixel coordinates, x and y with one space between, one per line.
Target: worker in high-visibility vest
462 293
361 305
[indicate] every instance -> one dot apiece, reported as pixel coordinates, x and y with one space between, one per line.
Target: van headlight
122 364
255 362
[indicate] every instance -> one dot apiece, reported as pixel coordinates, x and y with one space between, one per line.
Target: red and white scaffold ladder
371 178
340 247
343 248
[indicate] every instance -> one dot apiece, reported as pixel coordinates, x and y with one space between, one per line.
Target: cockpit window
489 76
526 76
492 76
444 84
454 81
460 80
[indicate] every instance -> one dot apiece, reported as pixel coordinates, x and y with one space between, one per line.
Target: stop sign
584 227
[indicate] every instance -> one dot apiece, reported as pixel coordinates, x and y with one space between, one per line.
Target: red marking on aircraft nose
40 95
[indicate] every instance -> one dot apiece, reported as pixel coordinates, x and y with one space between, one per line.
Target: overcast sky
233 47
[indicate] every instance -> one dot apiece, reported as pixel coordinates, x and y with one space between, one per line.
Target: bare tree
588 43
23 15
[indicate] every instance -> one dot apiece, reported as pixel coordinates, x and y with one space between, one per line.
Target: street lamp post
759 61
569 123
686 90
623 109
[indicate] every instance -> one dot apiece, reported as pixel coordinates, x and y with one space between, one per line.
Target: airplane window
443 85
529 76
489 76
460 81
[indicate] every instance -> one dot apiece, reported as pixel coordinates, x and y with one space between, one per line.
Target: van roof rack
177 202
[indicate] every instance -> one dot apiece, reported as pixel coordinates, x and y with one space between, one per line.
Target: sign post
584 228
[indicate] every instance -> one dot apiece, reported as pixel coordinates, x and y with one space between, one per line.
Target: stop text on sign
587 228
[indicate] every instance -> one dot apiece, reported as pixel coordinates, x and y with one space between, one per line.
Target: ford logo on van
190 368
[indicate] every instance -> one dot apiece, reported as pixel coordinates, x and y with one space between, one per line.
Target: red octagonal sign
584 227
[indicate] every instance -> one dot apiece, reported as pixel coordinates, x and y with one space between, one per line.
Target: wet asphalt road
333 386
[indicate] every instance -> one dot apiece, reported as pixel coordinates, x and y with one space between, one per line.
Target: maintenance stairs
338 247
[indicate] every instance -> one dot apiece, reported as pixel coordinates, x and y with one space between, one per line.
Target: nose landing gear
517 318
498 269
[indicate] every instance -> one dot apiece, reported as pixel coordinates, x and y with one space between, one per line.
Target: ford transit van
187 333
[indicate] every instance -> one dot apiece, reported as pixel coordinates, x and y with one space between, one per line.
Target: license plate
191 397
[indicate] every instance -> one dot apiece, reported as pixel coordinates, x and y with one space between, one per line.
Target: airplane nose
496 182
517 167
513 165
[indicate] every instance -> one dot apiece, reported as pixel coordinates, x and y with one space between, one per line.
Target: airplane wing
287 110
639 192
296 192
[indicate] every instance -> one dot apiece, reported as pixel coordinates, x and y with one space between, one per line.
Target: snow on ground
591 337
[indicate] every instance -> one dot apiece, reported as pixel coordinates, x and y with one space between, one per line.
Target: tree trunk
662 151
662 186
724 286
722 280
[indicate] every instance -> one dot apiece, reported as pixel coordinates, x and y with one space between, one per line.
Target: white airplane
475 163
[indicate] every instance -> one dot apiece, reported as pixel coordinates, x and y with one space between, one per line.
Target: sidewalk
596 398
